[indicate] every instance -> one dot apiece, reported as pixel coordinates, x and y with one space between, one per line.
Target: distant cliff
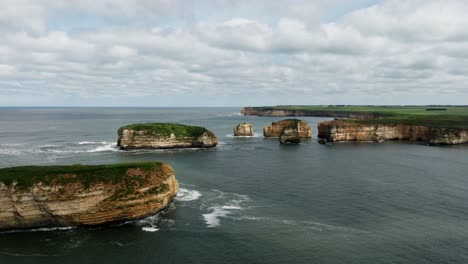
164 136
83 195
347 130
267 111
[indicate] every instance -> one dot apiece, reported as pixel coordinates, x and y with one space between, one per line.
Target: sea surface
250 200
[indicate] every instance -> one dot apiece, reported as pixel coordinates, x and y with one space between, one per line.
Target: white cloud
258 53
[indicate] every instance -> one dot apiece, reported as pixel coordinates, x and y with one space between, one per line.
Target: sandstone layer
243 130
81 195
164 136
290 135
277 128
346 130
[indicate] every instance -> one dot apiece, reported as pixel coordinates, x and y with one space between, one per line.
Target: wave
42 229
186 195
224 205
92 142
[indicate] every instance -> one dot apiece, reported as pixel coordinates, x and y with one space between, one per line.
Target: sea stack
83 195
164 136
243 130
277 128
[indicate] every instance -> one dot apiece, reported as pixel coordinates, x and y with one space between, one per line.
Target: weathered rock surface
243 130
277 128
342 130
80 195
290 135
164 136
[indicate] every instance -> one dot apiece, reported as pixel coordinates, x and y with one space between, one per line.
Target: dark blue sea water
250 200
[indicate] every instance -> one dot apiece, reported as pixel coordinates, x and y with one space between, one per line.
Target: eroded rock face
243 130
290 135
144 139
68 201
340 130
277 128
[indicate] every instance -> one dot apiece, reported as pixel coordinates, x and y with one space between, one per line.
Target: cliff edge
348 130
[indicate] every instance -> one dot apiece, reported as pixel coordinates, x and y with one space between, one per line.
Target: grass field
166 129
27 176
433 116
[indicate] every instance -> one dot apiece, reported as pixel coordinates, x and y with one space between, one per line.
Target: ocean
250 200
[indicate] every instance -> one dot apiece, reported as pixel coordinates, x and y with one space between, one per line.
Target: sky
232 52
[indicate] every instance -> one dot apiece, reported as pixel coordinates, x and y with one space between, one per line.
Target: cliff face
277 128
130 138
243 130
258 111
72 199
339 130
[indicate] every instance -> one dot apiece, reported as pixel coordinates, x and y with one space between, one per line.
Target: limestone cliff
82 195
164 136
276 129
347 130
243 130
266 111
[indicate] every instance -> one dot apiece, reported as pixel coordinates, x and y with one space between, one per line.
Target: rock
83 195
322 141
277 128
351 130
164 136
244 130
290 135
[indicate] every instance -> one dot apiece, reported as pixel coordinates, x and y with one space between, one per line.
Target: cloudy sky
232 52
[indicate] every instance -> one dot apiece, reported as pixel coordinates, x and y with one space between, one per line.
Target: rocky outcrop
290 135
277 128
79 195
347 130
243 130
268 111
164 136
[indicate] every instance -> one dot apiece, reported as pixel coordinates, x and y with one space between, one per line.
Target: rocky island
164 136
288 130
243 130
277 128
83 195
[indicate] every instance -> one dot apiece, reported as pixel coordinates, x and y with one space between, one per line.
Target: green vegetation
441 116
166 129
26 176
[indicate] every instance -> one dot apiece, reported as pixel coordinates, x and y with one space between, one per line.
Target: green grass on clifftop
27 176
433 116
166 129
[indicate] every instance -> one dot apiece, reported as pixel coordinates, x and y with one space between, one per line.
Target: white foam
186 195
108 147
149 229
92 142
213 219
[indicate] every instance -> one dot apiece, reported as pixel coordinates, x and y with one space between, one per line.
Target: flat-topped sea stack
164 136
83 195
277 128
356 130
243 130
